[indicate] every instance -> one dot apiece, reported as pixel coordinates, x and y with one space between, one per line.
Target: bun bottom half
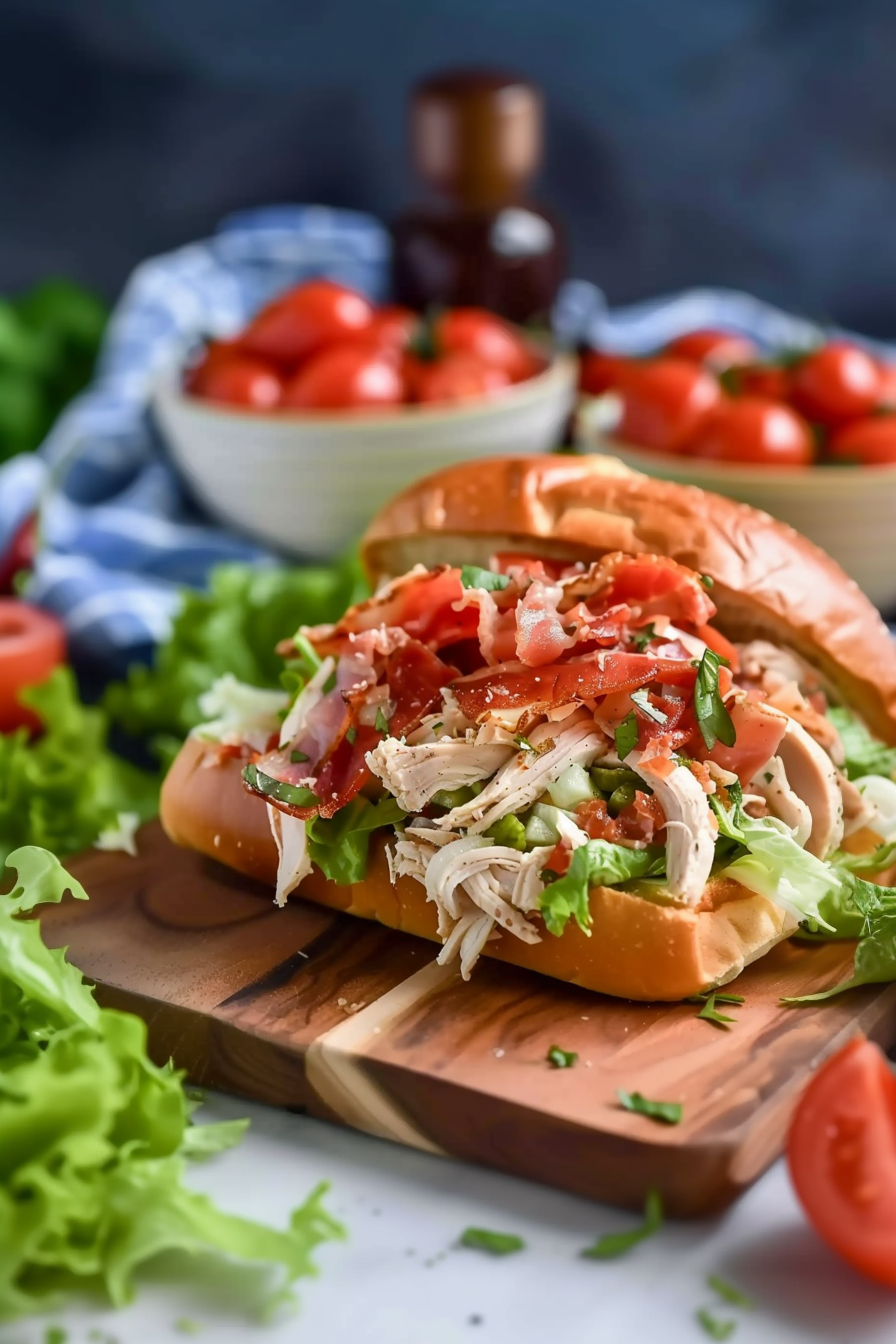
637 950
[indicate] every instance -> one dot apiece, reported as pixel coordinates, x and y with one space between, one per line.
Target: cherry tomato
751 429
461 376
887 394
663 402
718 349
304 320
490 338
20 554
841 1151
346 377
32 643
236 380
600 372
871 442
837 383
759 380
392 326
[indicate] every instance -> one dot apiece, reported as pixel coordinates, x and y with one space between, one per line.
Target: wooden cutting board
313 1010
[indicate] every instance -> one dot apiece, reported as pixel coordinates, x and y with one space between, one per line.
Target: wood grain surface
313 1010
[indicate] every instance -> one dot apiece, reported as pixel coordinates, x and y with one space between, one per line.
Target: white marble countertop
400 1278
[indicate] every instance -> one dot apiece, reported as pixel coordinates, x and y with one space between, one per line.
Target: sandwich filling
533 730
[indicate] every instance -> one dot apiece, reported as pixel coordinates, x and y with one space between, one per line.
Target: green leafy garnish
561 1059
713 718
471 576
62 789
202 1141
707 580
94 1136
614 1244
875 957
350 735
714 1326
298 757
719 995
523 743
884 856
729 1293
709 1013
294 795
340 844
595 864
496 1243
668 1112
381 723
641 638
865 754
234 627
626 735
642 699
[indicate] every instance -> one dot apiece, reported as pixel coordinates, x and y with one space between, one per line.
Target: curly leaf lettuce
865 755
339 846
94 1136
599 863
63 789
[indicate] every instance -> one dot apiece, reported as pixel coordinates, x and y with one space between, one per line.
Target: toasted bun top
770 582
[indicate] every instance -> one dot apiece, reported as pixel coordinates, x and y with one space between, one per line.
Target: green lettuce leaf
595 864
339 845
776 867
865 755
884 856
94 1136
875 958
60 790
234 628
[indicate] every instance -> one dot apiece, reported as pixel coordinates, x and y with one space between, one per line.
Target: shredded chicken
814 778
293 865
412 774
772 785
525 777
690 825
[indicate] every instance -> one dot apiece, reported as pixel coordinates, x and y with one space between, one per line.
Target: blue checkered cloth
120 536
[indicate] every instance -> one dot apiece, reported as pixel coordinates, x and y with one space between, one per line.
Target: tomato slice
841 1151
32 643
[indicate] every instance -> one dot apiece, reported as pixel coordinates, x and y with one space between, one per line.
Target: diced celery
607 779
573 787
508 831
451 798
539 832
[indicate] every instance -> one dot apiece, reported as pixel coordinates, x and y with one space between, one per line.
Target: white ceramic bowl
308 484
849 511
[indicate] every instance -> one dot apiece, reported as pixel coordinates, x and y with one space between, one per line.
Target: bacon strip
515 686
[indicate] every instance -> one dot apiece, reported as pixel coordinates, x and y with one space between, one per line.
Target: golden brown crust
769 580
639 950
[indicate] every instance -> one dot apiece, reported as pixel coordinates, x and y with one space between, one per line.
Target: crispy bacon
652 585
515 686
422 603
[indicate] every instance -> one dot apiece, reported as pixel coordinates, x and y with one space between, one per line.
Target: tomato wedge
515 686
841 1151
32 643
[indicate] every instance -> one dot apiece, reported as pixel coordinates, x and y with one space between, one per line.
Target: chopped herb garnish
669 1112
641 638
729 1293
719 995
297 757
614 1244
707 580
381 723
523 743
294 795
768 776
351 734
714 1326
496 1243
642 699
709 1013
561 1059
437 726
471 576
713 718
626 735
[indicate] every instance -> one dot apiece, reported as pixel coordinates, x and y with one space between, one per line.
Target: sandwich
618 731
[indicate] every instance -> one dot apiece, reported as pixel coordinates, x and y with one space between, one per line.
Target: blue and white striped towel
120 535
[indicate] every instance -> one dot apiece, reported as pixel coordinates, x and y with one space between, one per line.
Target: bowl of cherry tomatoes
809 437
300 427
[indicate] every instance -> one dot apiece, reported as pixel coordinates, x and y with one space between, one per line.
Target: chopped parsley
707 580
641 638
351 734
297 757
561 1059
523 743
614 1244
496 1243
714 1326
381 723
642 699
668 1112
626 735
709 1012
728 1293
713 718
471 576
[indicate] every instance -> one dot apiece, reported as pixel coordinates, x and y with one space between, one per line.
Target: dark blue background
739 142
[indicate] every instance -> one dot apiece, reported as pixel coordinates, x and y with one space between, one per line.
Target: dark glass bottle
476 139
